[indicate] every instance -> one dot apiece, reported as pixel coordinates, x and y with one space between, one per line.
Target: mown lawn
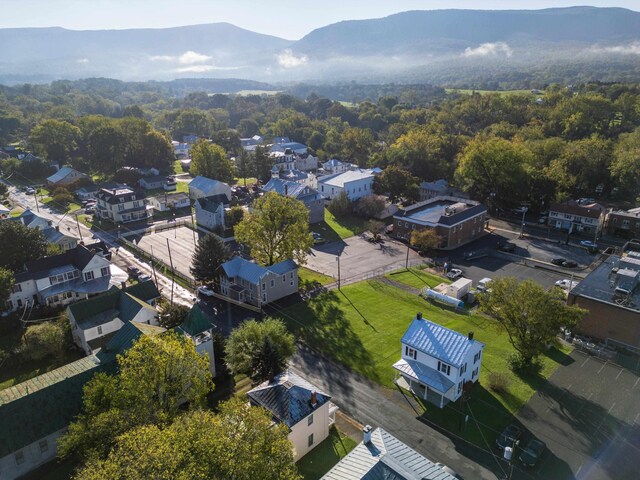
307 278
361 327
241 181
326 455
334 228
416 278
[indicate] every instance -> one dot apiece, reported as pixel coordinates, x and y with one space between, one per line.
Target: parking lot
588 414
180 241
359 257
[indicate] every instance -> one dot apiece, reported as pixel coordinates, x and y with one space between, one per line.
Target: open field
490 92
334 228
361 327
416 278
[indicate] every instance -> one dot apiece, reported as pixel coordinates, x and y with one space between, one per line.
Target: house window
88 276
264 297
410 352
104 271
310 441
272 283
19 303
136 204
99 329
120 208
463 369
121 199
44 445
16 288
264 286
310 420
284 278
133 197
459 387
476 357
19 457
444 368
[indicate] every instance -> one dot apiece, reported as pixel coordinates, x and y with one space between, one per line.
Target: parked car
454 273
450 471
317 238
483 284
89 210
508 436
566 284
532 452
475 254
588 243
558 261
543 220
206 291
133 271
29 191
507 247
570 264
144 277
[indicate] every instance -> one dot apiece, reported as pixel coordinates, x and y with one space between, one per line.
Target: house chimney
314 399
286 189
123 285
58 227
470 335
419 316
366 434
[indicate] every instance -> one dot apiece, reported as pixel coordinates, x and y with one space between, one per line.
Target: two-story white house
301 406
169 201
246 281
437 362
61 279
94 321
285 160
356 183
121 205
577 216
51 233
210 212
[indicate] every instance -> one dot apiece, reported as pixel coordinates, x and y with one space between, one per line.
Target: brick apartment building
456 220
623 223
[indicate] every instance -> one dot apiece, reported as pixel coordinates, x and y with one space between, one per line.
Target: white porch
423 381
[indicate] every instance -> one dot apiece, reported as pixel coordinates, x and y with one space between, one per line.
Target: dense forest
565 141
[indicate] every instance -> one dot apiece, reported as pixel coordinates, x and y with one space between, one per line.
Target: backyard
322 458
361 327
334 228
309 279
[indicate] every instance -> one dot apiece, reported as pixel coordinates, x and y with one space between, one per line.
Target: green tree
106 148
172 315
6 285
277 229
157 377
239 442
244 166
340 205
192 122
234 216
210 253
55 139
210 160
376 228
156 151
625 166
46 339
262 163
248 352
20 244
3 190
425 240
531 315
495 169
370 206
357 145
398 183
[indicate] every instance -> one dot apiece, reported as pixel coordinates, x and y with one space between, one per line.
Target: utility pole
153 266
406 263
338 258
193 227
173 280
79 232
35 195
524 211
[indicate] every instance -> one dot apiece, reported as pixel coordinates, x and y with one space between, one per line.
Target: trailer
430 294
460 288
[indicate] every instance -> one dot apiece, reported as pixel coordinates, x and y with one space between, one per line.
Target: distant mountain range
409 46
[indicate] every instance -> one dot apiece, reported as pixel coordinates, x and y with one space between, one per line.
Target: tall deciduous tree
239 442
530 315
426 240
244 166
210 160
20 244
625 167
55 139
172 315
398 183
6 284
156 151
107 147
259 349
157 376
210 253
276 230
261 163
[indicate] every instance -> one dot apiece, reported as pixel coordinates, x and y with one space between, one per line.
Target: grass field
489 92
334 228
322 458
361 327
308 278
416 278
241 181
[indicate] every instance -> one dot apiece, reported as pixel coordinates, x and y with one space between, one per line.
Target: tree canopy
20 244
210 160
259 349
239 442
6 284
55 139
277 229
530 315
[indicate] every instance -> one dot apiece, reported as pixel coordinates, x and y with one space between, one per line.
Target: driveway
358 257
372 404
588 414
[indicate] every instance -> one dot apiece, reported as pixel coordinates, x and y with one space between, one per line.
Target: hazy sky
290 19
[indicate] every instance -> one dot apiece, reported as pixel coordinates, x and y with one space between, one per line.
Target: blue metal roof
424 374
438 341
204 183
283 267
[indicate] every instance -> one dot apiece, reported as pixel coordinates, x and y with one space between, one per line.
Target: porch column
426 392
441 401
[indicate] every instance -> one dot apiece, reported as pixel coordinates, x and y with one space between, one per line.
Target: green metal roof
197 322
129 334
86 309
144 290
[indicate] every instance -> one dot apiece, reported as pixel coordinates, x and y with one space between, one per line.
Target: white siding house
356 183
437 362
209 213
169 201
201 187
301 406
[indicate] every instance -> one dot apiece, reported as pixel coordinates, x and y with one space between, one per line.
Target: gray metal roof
252 272
440 342
434 211
205 184
424 374
385 458
288 398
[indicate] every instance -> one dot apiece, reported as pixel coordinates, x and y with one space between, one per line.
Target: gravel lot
181 243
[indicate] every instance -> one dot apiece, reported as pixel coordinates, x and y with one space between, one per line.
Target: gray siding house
246 281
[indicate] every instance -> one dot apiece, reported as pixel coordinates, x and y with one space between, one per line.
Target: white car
206 291
566 284
589 244
454 273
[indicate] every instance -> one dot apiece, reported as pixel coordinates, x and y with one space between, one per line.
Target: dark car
559 261
133 271
532 452
507 247
570 264
508 437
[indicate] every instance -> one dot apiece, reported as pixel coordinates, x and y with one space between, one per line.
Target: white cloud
82 60
187 58
629 49
191 58
488 49
287 59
